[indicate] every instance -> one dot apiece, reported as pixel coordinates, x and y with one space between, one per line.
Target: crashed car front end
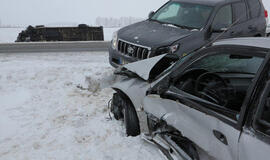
135 80
162 132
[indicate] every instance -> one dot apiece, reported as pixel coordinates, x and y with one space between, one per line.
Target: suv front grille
133 50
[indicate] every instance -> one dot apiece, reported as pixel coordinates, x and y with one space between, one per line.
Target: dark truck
182 26
81 33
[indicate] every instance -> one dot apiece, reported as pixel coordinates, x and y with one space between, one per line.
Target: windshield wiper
177 25
172 25
154 20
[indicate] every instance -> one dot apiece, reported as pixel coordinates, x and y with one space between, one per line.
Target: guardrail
54 46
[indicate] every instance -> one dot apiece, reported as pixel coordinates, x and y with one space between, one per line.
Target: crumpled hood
143 68
152 34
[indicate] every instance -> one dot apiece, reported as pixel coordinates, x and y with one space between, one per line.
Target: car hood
152 34
143 68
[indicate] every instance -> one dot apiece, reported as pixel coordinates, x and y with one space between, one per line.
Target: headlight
115 40
174 48
168 49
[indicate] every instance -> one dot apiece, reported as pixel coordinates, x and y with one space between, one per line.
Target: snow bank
54 107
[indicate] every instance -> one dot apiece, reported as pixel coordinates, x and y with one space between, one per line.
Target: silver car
211 104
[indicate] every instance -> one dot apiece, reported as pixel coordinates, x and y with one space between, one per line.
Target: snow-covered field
9 35
46 115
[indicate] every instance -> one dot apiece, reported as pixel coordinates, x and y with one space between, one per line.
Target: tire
131 120
117 106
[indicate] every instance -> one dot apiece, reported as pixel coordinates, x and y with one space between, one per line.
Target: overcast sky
25 12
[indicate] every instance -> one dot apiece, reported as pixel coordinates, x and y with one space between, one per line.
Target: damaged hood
143 68
152 34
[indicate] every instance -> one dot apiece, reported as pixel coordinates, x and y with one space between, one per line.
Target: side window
224 17
262 122
170 11
254 8
240 12
220 81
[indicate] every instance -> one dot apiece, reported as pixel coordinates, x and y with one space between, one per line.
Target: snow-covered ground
46 115
9 35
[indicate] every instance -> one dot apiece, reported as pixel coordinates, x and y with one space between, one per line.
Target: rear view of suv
182 26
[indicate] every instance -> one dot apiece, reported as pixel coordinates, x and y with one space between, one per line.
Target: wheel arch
124 95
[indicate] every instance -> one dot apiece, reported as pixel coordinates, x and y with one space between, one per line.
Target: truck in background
81 33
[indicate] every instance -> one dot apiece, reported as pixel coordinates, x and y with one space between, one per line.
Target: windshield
192 16
229 64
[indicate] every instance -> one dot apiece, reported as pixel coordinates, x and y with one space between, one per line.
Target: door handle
221 137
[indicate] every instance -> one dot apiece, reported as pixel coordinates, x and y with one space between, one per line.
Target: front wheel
131 120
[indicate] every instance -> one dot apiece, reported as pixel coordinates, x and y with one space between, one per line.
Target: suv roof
252 42
208 2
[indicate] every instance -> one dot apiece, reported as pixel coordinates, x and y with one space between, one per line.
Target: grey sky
24 12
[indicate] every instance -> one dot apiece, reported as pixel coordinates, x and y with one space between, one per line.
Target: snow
9 35
54 107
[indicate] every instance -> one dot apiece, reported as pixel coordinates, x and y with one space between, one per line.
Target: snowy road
45 116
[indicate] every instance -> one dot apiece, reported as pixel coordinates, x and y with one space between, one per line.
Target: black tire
131 120
117 106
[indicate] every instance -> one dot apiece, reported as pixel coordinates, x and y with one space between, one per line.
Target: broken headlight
173 48
115 40
169 49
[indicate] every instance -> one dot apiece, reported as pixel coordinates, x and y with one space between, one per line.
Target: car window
224 16
240 12
254 8
169 11
187 15
262 122
220 81
229 64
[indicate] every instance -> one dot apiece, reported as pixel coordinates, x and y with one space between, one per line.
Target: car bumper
117 59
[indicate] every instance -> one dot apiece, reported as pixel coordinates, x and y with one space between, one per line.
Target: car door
217 138
222 20
256 23
214 129
255 140
240 18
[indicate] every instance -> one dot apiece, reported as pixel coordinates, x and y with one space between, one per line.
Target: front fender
134 89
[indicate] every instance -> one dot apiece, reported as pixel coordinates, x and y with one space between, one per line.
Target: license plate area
123 61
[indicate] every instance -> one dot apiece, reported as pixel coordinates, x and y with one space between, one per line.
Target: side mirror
150 15
218 28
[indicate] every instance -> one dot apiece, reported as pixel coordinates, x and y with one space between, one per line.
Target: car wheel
117 106
131 120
